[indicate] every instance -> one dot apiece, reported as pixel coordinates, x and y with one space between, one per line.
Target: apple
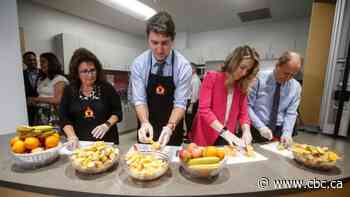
191 146
185 155
196 152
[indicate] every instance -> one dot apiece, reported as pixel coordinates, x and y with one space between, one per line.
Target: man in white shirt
192 104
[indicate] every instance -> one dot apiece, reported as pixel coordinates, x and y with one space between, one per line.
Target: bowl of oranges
35 146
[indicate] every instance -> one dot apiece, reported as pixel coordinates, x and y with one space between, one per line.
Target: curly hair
54 66
79 56
232 62
161 23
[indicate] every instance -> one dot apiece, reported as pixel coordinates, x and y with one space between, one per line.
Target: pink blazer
212 106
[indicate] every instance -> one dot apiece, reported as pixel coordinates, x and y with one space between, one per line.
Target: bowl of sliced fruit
96 158
202 162
315 156
146 165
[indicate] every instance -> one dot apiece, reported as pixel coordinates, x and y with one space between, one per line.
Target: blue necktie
275 105
160 68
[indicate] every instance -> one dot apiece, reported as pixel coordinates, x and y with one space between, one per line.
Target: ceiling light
131 7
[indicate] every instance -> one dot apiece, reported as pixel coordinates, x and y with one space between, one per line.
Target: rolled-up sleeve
257 123
183 86
291 113
138 84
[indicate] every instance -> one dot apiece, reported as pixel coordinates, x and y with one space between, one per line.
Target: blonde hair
232 62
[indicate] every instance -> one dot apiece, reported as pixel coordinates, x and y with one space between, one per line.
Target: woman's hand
73 143
246 136
100 131
232 139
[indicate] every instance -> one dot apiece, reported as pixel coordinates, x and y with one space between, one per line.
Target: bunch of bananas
41 131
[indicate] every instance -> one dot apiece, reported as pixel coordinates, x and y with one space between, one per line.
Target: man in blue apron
160 85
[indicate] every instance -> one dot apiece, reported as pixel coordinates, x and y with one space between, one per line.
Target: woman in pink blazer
223 101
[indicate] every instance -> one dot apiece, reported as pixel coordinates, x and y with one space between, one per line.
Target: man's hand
165 136
146 128
266 133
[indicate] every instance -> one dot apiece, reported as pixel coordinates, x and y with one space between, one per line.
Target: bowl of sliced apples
146 165
95 158
315 156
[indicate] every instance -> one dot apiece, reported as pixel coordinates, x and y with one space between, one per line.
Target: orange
220 152
209 151
18 147
13 140
51 141
57 135
31 143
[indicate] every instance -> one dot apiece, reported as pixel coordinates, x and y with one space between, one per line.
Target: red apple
185 155
191 146
196 152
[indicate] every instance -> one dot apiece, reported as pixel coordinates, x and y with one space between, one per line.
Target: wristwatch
108 124
222 131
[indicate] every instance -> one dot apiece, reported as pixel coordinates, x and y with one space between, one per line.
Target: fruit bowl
35 146
204 171
30 160
316 157
94 159
202 162
146 165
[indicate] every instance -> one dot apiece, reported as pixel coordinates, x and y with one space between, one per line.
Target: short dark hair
162 23
83 55
54 66
28 53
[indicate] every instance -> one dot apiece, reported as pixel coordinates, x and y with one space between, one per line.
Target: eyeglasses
88 71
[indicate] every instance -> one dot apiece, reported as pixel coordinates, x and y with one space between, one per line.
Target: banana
47 133
43 127
24 129
204 166
203 160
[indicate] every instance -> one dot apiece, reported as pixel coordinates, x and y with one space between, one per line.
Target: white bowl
30 160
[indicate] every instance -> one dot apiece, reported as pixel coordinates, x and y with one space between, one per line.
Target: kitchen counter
60 178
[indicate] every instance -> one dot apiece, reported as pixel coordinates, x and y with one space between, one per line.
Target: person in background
223 101
90 108
50 90
30 77
160 83
274 100
192 104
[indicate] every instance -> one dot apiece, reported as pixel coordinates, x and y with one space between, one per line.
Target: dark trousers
31 111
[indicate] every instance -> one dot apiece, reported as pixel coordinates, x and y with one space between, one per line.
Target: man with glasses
30 77
274 100
160 83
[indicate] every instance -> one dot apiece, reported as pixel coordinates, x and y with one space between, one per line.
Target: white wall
12 98
41 24
269 38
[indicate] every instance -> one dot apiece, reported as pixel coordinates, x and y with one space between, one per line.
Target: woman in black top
90 107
